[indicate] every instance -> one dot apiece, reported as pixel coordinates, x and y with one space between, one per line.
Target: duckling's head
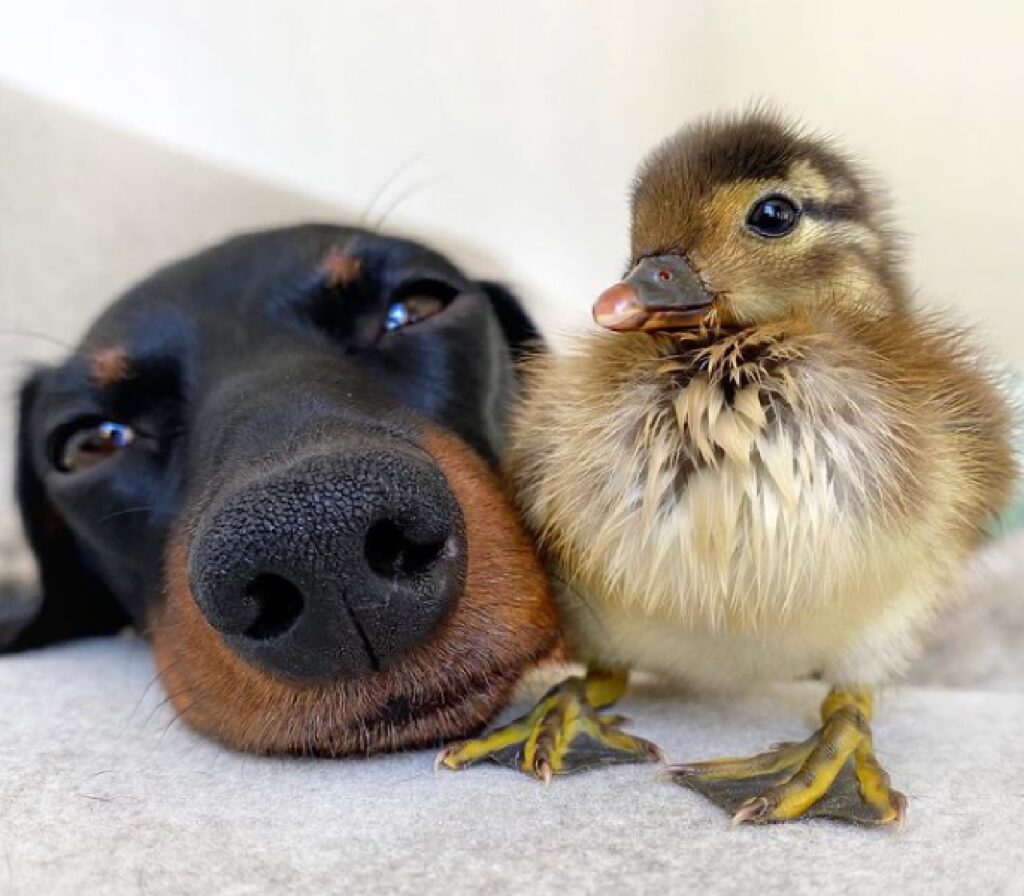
745 220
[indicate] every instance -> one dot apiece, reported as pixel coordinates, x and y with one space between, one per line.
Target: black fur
249 363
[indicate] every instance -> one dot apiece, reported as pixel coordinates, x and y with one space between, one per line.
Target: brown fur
109 366
446 688
340 269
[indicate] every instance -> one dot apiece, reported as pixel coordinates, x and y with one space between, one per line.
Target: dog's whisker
377 194
20 333
152 629
159 675
126 512
181 712
183 692
399 200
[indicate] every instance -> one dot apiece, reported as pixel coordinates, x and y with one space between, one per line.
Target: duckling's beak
661 293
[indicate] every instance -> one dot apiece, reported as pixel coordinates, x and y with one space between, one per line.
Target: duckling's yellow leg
564 732
832 774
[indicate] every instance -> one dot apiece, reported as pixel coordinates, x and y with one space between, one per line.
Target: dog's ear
520 331
72 601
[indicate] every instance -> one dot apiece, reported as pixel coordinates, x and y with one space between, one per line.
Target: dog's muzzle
332 565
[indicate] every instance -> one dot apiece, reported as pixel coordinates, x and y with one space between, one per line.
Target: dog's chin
446 688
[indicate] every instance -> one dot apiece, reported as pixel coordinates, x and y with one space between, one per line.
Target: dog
275 460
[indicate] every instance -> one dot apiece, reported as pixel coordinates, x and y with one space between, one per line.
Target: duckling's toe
833 774
564 733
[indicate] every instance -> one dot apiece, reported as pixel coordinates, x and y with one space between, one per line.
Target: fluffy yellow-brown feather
790 487
816 481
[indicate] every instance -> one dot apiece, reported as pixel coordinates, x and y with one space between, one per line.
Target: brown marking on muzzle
340 269
504 623
109 366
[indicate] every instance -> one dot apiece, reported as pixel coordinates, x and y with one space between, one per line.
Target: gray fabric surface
102 792
979 643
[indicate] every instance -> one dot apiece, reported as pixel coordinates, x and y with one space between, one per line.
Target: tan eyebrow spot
109 366
340 269
807 180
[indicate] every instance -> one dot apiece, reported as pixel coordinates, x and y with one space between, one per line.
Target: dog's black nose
333 566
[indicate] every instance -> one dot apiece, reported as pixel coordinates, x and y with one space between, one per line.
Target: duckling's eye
87 444
773 216
416 302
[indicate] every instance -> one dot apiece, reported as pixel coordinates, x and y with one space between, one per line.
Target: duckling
767 464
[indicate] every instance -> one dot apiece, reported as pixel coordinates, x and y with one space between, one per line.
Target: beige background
512 129
132 131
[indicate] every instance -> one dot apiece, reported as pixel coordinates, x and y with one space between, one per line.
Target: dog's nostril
392 554
279 604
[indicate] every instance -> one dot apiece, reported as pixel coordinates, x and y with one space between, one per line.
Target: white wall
517 124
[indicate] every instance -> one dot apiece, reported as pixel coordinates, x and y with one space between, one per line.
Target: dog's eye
411 311
84 446
417 301
774 216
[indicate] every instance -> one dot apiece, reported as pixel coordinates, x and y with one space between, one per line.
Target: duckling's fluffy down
784 500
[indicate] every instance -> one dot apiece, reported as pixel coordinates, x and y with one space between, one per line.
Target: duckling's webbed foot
832 774
565 732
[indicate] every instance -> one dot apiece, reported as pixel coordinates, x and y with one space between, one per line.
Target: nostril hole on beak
279 604
392 555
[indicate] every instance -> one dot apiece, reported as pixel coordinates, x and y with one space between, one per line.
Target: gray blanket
104 792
